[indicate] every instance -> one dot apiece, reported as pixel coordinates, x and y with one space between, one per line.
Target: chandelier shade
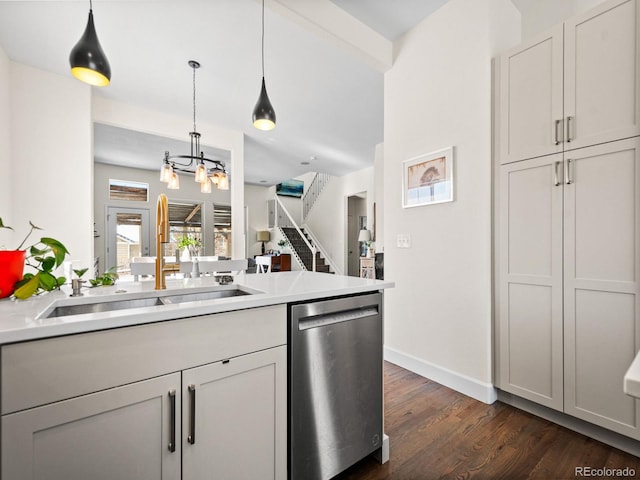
206 171
88 61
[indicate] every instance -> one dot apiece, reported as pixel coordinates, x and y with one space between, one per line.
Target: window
222 230
129 191
185 219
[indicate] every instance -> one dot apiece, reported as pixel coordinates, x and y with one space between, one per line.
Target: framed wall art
428 179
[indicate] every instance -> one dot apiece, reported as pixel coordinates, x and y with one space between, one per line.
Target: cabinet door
602 62
119 433
530 285
531 98
602 309
235 418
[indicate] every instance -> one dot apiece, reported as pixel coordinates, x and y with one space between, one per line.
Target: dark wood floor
436 432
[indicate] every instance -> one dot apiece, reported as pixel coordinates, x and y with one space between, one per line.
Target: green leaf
47 281
61 281
48 263
59 250
37 251
80 272
28 288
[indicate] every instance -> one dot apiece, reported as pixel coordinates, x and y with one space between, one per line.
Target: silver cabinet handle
192 422
555 173
172 439
567 172
569 122
557 138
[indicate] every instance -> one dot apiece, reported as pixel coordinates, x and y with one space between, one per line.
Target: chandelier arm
217 165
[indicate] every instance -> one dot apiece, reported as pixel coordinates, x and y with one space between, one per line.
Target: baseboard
596 432
484 392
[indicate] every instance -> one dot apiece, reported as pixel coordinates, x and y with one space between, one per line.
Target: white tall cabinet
568 217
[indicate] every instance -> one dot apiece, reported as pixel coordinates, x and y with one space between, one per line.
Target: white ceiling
329 104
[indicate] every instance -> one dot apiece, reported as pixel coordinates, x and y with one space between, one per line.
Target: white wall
255 199
328 218
541 15
51 158
438 94
5 151
124 115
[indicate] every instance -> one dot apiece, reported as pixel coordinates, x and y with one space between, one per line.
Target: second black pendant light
88 61
264 116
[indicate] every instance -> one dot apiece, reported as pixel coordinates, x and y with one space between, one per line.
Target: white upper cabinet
531 98
602 53
547 107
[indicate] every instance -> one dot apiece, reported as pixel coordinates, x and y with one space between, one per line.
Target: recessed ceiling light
263 181
304 163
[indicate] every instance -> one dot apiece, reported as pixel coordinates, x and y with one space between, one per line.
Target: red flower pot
11 268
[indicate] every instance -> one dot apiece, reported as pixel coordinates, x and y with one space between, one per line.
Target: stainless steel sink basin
85 305
194 297
105 306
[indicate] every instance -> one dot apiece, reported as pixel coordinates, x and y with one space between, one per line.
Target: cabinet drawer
43 371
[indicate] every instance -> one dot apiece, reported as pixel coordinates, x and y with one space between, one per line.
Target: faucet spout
162 237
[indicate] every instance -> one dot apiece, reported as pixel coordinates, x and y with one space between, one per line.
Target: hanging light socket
88 61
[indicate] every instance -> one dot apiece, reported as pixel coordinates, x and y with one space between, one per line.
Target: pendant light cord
90 6
262 38
194 99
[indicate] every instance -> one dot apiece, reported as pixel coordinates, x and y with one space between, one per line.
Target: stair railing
290 222
322 250
313 192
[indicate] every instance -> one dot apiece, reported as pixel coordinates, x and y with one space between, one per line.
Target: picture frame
428 179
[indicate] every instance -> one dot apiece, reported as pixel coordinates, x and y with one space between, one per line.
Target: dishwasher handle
336 317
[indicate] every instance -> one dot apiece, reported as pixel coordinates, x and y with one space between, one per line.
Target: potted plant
44 257
282 244
188 245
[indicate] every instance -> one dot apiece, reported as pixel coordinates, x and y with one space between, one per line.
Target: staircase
302 251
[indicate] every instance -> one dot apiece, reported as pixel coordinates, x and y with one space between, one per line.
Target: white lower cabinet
118 433
189 419
230 425
568 297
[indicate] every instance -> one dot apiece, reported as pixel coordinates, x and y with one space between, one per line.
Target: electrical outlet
403 240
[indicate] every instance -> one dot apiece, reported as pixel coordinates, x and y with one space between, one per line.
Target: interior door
128 235
356 220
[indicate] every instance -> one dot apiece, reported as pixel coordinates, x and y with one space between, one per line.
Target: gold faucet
162 237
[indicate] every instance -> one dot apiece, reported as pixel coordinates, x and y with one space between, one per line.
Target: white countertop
19 320
631 384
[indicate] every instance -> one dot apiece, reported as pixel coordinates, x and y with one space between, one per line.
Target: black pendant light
88 61
264 116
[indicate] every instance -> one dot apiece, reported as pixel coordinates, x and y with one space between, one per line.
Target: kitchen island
133 392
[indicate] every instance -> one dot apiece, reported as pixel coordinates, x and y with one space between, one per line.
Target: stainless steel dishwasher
335 384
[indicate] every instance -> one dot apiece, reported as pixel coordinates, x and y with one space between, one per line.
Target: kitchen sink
211 295
103 306
66 307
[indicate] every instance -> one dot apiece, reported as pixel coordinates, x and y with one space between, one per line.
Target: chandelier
206 171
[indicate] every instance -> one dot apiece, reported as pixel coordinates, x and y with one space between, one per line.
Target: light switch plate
403 240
